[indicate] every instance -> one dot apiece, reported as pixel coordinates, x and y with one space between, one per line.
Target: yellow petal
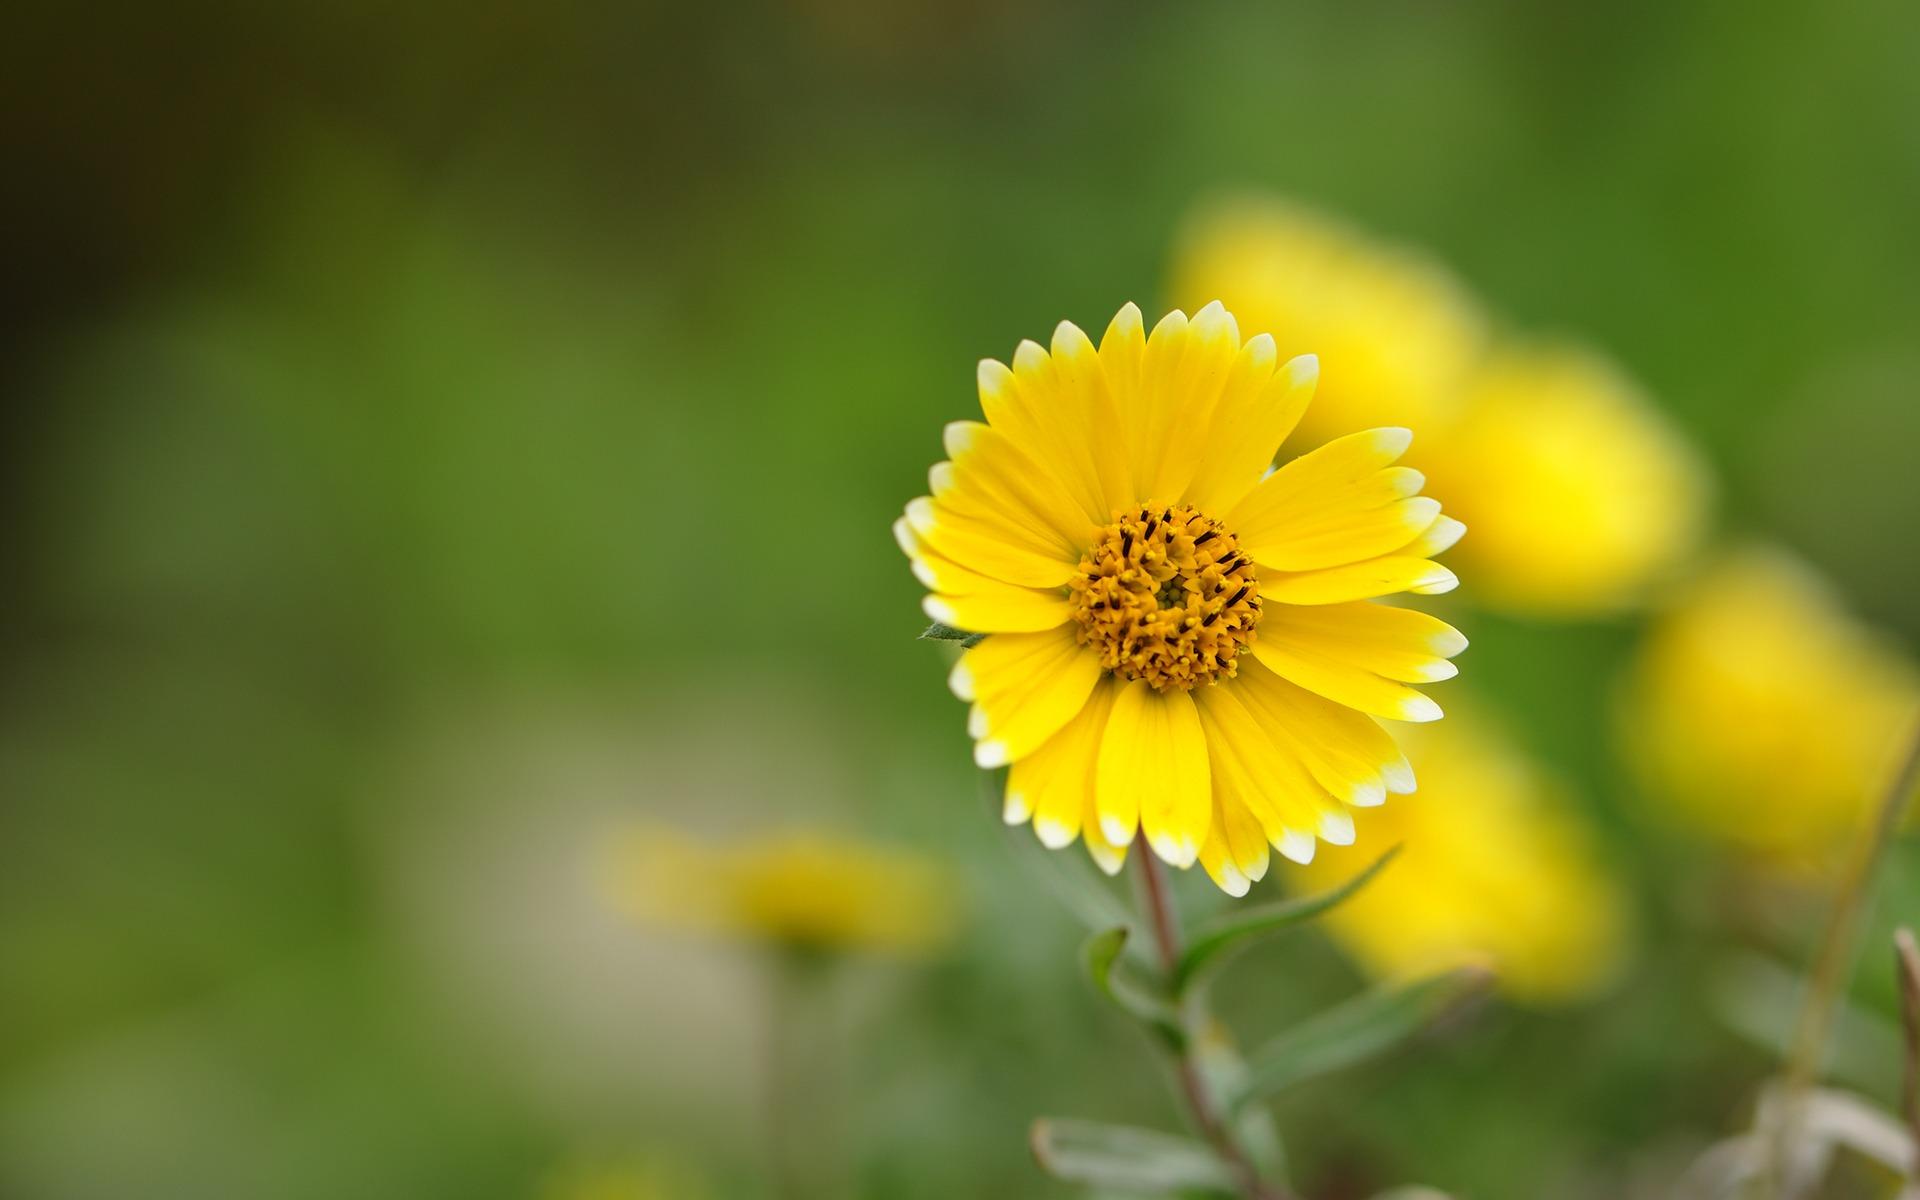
1346 685
1345 751
1257 410
1235 853
986 463
1089 430
1002 610
1254 770
1358 581
1188 364
1399 643
1347 506
1024 687
1055 783
1123 351
986 549
1153 770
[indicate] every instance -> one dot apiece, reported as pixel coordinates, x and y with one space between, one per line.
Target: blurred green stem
1833 969
1206 1115
798 1117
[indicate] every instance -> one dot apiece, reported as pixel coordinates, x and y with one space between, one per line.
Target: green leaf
1360 1029
1100 954
937 632
1126 1159
1235 929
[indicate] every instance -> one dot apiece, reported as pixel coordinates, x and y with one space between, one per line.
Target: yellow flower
1759 712
1578 490
796 889
1494 868
1395 333
1181 644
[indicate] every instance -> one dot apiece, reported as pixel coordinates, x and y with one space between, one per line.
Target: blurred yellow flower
800 889
1495 867
1578 490
1183 644
1759 712
1394 332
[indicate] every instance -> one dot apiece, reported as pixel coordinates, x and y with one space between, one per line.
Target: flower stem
1834 966
1158 903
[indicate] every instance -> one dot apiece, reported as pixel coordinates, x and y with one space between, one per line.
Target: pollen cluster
1164 594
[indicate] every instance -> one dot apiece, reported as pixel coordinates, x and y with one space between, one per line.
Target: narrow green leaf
1100 954
1365 1027
937 632
1236 928
1126 1159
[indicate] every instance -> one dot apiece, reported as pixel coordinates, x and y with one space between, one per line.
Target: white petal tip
992 375
1399 779
1369 795
1444 534
990 754
1231 881
1015 809
937 609
1106 858
1435 581
1053 835
1393 439
1421 709
960 681
1303 368
1173 851
1295 846
1116 831
1336 829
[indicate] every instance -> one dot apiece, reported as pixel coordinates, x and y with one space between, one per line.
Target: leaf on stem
1213 941
1127 1159
1101 956
937 632
1360 1029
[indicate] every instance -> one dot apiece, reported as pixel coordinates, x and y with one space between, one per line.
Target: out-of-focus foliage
437 438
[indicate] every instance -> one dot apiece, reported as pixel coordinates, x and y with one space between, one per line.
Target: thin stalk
1906 969
1834 966
1165 922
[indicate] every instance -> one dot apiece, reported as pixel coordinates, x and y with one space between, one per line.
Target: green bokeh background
437 437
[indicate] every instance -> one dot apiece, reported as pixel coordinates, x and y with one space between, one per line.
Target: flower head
1394 330
1181 643
1761 713
801 890
1579 491
1494 868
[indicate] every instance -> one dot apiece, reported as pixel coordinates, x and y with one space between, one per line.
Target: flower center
1165 595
